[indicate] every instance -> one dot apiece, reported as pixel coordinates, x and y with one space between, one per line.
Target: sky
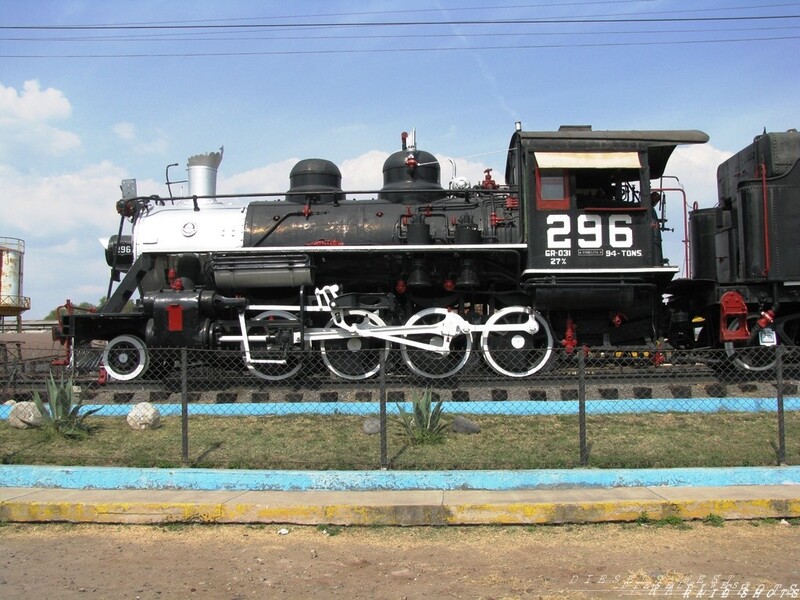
93 92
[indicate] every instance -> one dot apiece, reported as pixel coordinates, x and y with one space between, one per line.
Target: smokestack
203 175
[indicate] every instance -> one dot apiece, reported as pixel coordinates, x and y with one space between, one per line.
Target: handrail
23 302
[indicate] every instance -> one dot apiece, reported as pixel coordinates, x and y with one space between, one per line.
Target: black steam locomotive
566 254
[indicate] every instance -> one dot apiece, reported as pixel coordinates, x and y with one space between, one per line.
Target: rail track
617 378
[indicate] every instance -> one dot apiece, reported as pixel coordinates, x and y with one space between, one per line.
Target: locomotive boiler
566 253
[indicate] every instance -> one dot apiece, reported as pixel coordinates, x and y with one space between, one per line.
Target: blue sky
154 82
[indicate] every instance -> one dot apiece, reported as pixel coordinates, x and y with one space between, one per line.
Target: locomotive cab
594 244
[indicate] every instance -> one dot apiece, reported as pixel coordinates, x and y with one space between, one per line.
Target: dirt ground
237 562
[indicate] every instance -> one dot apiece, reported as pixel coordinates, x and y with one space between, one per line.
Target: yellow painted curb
506 513
623 510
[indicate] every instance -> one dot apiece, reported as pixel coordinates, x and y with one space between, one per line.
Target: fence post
382 394
184 407
582 408
781 421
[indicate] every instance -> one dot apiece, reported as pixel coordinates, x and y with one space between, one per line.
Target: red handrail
686 249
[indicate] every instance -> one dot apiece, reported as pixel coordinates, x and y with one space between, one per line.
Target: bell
419 276
468 278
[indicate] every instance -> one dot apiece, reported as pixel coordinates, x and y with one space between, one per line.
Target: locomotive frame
566 254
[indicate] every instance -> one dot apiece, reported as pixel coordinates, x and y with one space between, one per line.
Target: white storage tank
12 302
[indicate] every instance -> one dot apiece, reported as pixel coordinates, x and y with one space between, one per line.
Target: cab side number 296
590 231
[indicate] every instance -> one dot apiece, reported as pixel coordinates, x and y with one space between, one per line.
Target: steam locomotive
567 253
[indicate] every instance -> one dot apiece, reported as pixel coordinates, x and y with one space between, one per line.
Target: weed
330 530
714 520
673 521
670 520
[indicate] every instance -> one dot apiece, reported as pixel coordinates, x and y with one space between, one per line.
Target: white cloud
74 269
157 144
38 138
61 204
61 218
24 121
269 178
33 104
70 247
696 170
364 172
125 131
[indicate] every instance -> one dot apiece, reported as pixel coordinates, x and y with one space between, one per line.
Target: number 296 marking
590 230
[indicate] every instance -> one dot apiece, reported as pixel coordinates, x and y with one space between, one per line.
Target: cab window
607 189
552 189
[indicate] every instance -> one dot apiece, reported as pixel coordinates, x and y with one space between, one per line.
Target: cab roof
581 138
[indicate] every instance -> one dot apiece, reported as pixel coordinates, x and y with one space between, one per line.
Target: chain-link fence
360 404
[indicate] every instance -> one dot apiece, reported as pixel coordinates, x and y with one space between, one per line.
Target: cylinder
12 302
419 234
467 233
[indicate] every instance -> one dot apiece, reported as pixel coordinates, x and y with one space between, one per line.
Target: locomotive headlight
189 229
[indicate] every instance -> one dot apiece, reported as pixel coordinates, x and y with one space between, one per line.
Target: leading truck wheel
125 358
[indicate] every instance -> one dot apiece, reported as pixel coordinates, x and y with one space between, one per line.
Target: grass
714 520
338 442
330 530
673 521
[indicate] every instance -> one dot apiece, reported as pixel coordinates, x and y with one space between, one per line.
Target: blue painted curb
218 479
482 407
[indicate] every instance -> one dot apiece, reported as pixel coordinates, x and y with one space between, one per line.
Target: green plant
667 521
425 423
714 520
62 413
328 529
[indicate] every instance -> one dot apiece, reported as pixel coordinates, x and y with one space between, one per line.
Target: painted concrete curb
477 407
42 476
116 495
399 508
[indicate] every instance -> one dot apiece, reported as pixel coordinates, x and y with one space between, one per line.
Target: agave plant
62 413
425 423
